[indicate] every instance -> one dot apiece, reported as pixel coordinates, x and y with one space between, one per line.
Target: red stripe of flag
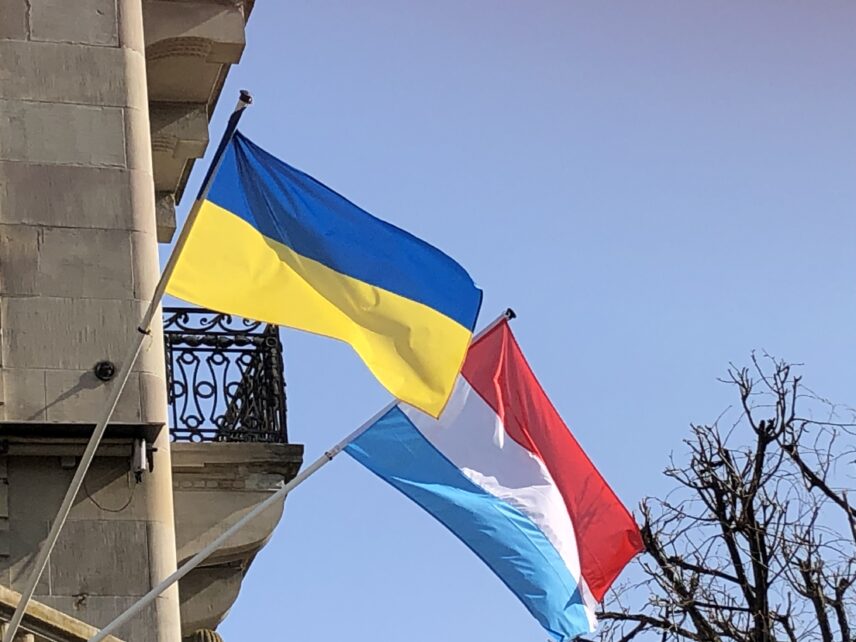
607 536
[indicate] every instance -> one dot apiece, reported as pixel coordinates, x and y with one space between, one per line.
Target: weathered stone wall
78 261
44 624
78 255
111 551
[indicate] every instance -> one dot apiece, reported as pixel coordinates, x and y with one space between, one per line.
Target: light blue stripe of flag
505 539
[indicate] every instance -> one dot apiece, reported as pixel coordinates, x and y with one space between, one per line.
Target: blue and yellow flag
273 244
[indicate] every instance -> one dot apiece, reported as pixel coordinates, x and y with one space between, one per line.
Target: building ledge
45 624
214 485
190 46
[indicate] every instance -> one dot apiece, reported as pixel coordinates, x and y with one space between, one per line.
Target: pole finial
246 97
510 314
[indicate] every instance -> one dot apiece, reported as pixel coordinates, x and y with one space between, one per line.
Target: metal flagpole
194 561
319 463
122 376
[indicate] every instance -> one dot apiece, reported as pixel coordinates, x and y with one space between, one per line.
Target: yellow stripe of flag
275 245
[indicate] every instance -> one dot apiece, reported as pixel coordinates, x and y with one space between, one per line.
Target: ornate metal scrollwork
225 378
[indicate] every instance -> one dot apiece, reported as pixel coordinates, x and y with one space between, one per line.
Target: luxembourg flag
500 469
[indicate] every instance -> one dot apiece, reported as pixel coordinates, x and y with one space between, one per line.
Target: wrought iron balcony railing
225 378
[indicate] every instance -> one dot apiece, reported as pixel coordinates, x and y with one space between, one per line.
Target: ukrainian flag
273 244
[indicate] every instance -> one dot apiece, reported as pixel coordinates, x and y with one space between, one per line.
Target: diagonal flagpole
218 542
143 330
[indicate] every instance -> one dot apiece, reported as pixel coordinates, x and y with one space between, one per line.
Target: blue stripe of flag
505 539
294 209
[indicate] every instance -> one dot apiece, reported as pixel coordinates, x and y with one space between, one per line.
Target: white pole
202 555
118 386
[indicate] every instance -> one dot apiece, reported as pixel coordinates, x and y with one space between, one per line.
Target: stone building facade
104 105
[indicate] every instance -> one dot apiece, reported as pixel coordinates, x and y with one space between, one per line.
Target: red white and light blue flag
501 470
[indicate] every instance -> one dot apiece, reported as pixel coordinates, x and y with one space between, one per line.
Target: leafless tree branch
756 541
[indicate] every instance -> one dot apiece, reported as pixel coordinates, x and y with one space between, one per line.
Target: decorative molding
214 484
203 635
190 46
165 216
180 129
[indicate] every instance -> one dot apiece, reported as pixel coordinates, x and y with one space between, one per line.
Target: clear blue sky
657 188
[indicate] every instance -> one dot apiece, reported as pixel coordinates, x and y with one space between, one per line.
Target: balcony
230 450
225 380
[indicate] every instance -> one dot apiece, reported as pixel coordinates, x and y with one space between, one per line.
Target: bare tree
757 543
